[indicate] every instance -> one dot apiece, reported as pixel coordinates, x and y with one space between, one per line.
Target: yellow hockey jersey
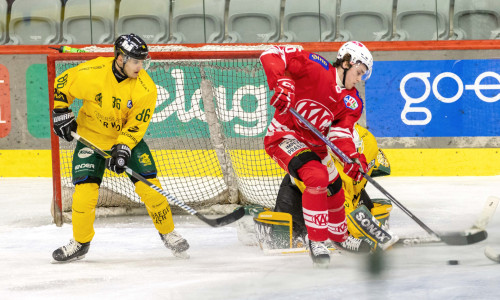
112 112
377 163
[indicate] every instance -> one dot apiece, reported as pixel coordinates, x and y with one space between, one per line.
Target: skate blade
67 261
322 264
181 255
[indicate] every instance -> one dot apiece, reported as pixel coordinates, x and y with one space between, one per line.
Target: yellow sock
83 215
157 206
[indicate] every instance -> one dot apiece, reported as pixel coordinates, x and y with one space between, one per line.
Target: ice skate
73 251
319 253
176 243
352 244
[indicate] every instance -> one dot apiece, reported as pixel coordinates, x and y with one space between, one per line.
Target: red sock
337 226
314 205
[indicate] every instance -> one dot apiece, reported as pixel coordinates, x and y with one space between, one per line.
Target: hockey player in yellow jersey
367 219
119 99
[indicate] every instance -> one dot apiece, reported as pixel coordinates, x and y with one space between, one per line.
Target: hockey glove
119 157
64 123
284 94
354 170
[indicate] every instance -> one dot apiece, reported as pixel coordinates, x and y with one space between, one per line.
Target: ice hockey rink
128 261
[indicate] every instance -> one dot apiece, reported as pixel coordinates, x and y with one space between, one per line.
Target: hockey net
206 134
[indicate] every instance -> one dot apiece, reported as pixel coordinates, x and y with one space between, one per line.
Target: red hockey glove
354 170
284 93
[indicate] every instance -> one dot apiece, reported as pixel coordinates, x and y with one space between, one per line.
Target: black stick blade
227 219
463 238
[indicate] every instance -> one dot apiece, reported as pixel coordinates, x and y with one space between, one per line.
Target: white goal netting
206 136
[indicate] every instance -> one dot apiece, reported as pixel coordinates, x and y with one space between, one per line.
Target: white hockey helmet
359 54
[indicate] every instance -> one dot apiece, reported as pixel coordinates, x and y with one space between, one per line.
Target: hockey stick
451 238
481 223
227 219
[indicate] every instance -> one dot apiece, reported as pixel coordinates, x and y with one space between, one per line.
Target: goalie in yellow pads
119 99
367 219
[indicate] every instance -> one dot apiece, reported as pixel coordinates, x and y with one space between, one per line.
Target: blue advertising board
438 98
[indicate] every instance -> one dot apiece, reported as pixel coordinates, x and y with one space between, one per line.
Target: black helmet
131 45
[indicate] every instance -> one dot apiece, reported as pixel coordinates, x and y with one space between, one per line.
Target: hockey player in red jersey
326 96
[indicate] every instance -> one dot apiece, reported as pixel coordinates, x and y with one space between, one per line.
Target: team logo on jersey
320 60
59 96
316 113
129 104
98 99
320 219
85 152
350 102
145 160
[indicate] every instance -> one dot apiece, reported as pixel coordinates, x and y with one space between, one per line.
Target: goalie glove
120 155
358 165
284 94
64 123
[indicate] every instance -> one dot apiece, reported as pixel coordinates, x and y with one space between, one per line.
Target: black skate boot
354 245
72 251
319 253
176 243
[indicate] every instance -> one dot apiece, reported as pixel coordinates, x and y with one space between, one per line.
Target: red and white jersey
333 110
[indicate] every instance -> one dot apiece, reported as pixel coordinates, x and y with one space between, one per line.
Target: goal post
206 134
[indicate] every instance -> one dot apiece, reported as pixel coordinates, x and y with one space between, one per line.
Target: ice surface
128 261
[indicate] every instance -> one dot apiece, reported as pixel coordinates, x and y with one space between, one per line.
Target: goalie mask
359 54
133 48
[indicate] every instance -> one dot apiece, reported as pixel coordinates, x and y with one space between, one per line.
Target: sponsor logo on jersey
133 129
320 60
130 137
350 102
145 160
129 104
371 228
314 112
98 99
371 164
85 152
291 146
84 166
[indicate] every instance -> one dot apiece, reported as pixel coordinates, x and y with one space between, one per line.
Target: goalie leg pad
289 200
363 225
273 229
156 205
381 210
83 211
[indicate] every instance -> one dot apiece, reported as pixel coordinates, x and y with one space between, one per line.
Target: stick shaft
348 160
234 216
